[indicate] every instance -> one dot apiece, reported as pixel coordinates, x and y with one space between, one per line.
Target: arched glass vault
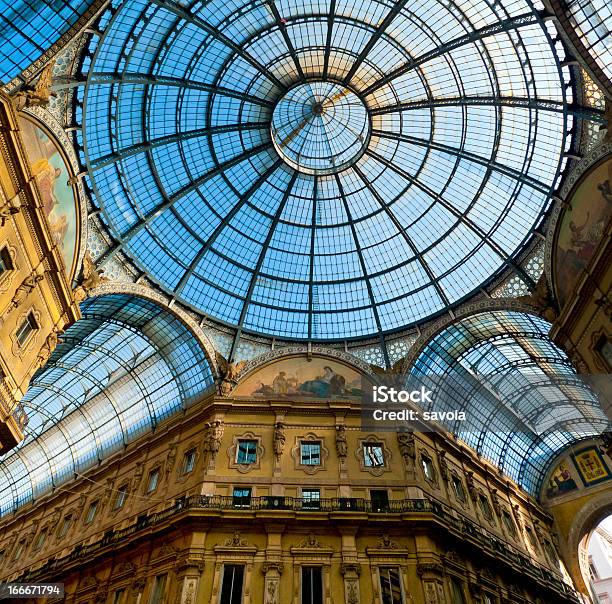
324 170
523 400
119 371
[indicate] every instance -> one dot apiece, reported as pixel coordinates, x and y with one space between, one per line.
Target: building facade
283 498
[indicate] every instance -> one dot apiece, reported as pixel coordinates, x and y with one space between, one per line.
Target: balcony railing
487 541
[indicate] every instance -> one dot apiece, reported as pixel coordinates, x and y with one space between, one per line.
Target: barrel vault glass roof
460 113
119 371
524 402
28 28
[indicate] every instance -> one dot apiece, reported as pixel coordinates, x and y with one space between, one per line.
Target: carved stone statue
36 95
279 439
47 348
405 440
443 466
228 372
212 438
11 207
91 277
24 290
541 300
341 444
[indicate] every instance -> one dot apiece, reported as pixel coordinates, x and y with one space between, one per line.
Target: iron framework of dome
324 171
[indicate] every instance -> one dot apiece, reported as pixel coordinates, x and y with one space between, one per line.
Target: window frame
92 511
248 462
23 337
370 445
319 599
314 503
402 599
189 461
154 472
230 598
121 497
309 462
236 498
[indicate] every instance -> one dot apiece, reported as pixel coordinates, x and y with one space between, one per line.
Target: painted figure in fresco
280 384
46 175
561 481
329 383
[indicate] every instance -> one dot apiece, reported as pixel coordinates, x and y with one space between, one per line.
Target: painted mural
582 227
52 174
297 377
561 480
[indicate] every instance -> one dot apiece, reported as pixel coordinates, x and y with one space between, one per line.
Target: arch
135 289
585 521
515 387
124 367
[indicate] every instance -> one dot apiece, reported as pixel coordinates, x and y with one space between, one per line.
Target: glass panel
310 453
246 452
373 455
242 497
312 585
231 589
390 586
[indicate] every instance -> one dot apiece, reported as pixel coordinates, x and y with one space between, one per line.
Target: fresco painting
561 480
582 228
298 377
52 175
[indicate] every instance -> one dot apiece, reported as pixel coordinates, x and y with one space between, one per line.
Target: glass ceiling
28 28
524 402
119 371
209 130
593 22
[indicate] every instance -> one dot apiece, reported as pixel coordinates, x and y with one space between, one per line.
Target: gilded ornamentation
38 94
91 277
228 373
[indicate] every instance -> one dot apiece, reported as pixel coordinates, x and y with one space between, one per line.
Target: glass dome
324 171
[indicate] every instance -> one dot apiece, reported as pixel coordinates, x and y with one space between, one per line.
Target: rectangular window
91 512
380 500
457 591
121 497
310 453
373 455
153 480
159 587
19 550
6 262
241 497
428 469
26 329
246 453
458 488
40 539
118 596
312 585
390 585
485 506
188 462
231 588
65 526
509 523
311 499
